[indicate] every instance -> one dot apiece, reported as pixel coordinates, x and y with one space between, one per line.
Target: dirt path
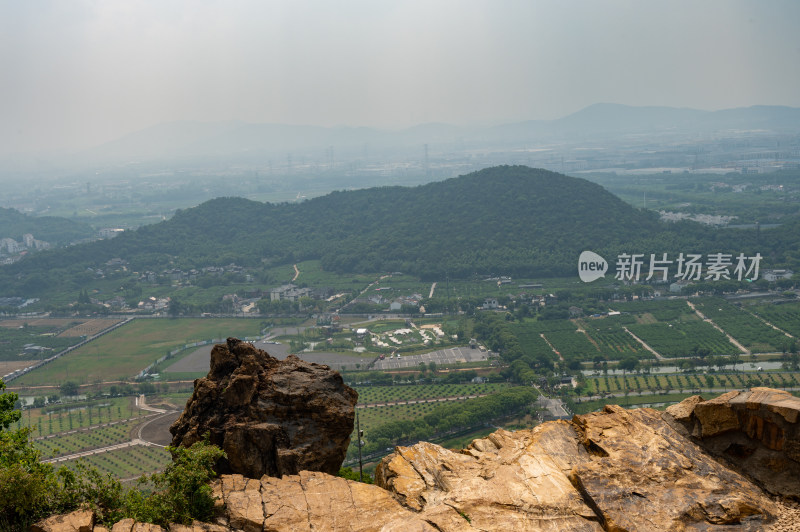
551 347
296 272
580 329
433 287
769 324
642 342
730 338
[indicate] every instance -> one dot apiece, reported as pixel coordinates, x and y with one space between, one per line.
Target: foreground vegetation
31 489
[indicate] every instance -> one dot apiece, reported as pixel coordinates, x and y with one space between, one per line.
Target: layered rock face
756 431
613 470
271 417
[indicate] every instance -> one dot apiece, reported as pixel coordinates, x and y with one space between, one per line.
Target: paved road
154 431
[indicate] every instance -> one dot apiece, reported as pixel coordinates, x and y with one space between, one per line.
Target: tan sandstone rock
507 481
314 501
197 526
612 470
616 470
125 525
77 521
757 432
146 527
645 476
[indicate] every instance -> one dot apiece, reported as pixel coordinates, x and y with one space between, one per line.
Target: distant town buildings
288 292
774 275
12 247
110 232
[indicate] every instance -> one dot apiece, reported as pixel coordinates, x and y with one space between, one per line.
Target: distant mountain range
203 141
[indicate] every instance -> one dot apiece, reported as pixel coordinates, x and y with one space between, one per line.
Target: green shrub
31 490
349 474
182 492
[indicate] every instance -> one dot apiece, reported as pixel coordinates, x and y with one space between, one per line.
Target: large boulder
612 470
756 431
271 417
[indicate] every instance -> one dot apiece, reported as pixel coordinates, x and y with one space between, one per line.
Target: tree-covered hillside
510 220
57 231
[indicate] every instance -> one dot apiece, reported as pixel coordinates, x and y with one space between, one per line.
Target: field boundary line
731 339
644 344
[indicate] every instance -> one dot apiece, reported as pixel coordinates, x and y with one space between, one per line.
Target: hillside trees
513 220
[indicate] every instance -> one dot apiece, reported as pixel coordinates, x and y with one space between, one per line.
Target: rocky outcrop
77 521
271 417
755 431
311 501
612 470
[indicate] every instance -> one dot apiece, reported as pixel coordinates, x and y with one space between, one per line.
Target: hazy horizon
83 73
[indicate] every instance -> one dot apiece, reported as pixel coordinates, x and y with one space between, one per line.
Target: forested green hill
510 220
14 224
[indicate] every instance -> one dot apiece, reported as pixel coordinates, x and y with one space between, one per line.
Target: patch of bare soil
8 366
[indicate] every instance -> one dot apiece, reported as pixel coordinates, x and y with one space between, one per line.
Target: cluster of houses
154 304
11 250
394 304
248 302
180 276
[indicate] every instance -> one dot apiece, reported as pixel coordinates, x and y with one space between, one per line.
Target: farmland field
785 316
635 384
21 340
86 439
680 339
529 334
57 418
129 463
385 394
612 341
751 332
89 328
126 351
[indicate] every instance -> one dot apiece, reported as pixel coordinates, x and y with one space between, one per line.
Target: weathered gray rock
270 416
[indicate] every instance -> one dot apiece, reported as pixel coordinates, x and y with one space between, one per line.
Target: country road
150 433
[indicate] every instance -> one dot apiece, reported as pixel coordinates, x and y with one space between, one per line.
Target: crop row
384 394
613 341
785 316
572 345
83 440
70 416
746 328
682 382
130 462
681 339
661 310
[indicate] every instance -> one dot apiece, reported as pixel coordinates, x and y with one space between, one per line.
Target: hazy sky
78 73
